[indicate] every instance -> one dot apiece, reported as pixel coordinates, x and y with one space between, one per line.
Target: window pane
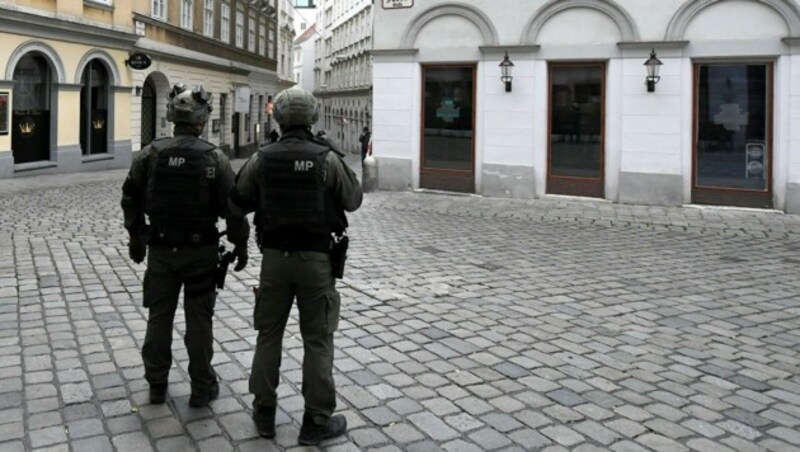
448 118
576 145
732 122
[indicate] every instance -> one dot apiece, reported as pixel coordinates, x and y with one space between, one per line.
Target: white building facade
722 125
304 49
343 69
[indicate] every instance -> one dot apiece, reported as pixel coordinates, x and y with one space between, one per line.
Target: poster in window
4 113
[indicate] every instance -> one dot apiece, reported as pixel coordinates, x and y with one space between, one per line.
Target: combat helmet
295 107
188 106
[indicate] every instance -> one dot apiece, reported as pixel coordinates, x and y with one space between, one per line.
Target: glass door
733 148
30 137
448 128
576 147
94 109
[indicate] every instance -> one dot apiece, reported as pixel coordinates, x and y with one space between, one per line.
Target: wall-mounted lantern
137 91
505 67
653 65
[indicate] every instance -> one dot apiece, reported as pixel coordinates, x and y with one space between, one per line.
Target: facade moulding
394 55
169 53
477 17
624 21
519 52
36 46
676 30
69 86
667 48
48 27
207 45
108 61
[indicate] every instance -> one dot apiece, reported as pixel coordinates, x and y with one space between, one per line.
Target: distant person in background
273 136
321 135
364 139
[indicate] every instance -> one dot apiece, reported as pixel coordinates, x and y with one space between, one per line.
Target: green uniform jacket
133 194
339 179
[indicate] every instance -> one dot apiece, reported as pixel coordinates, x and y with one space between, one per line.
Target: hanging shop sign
138 61
397 4
241 102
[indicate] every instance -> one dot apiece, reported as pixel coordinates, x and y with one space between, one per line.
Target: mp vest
180 185
297 211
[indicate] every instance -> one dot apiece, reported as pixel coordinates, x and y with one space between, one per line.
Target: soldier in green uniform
300 189
182 184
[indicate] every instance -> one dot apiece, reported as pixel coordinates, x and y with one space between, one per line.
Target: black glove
137 249
240 252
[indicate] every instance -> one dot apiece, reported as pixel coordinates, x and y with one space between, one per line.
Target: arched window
94 108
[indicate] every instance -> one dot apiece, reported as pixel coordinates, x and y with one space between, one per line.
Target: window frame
225 23
208 18
162 5
187 14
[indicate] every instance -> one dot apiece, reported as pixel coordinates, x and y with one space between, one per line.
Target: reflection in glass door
448 128
733 138
577 96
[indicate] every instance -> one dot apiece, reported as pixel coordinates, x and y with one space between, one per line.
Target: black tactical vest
296 211
181 184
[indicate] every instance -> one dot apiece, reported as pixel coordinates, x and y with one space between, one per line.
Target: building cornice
16 21
343 91
200 44
635 45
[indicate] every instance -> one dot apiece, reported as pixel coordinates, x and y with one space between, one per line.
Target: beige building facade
72 97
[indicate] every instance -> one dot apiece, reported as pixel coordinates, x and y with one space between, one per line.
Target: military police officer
299 188
182 184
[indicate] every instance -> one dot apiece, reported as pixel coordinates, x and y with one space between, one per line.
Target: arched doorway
148 127
94 108
155 87
31 109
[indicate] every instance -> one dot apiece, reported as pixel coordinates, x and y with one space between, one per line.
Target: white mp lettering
303 165
177 161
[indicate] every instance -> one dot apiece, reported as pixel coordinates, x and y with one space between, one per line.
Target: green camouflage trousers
168 271
306 276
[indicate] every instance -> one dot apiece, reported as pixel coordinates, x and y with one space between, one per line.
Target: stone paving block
791 436
563 435
47 436
203 429
402 433
175 444
489 439
85 428
93 444
739 429
367 437
432 426
597 432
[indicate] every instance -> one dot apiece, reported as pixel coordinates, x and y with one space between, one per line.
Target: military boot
199 400
158 394
312 434
264 417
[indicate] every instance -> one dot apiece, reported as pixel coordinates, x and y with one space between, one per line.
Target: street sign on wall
396 4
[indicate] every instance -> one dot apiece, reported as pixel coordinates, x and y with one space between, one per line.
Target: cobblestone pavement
467 324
